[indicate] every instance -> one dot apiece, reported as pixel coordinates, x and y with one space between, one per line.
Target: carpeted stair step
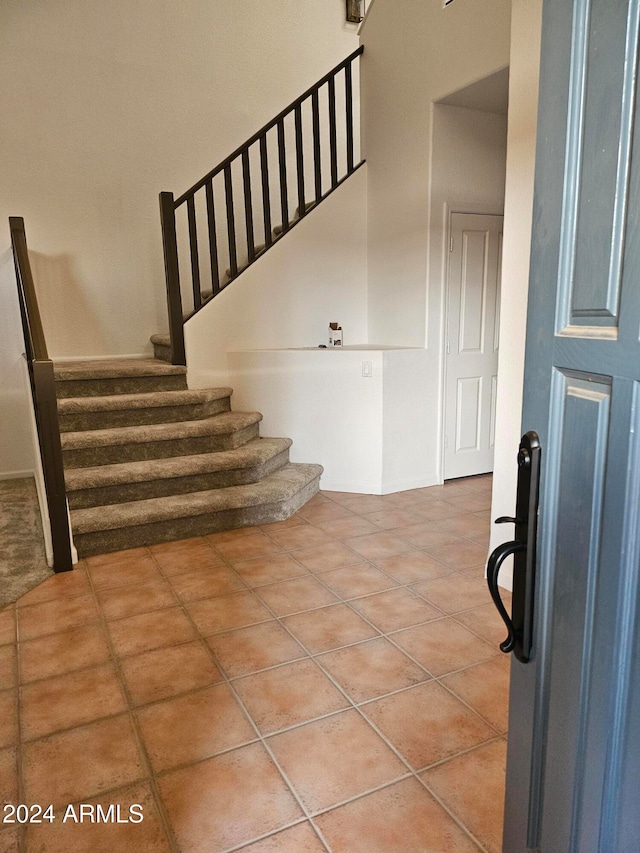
113 528
155 441
117 376
89 413
155 478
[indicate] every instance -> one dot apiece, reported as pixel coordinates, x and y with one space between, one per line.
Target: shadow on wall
70 322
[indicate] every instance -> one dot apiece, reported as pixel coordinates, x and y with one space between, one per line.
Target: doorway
471 343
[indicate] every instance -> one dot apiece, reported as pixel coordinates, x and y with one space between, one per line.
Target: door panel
574 743
472 352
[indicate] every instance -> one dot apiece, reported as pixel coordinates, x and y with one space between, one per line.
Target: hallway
331 682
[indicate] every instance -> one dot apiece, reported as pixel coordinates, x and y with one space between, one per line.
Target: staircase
147 460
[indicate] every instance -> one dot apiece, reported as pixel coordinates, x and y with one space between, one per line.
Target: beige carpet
22 557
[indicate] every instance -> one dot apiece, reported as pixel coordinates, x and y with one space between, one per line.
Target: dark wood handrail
240 231
43 392
267 127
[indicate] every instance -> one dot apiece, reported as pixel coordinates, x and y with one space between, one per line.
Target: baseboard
15 475
376 488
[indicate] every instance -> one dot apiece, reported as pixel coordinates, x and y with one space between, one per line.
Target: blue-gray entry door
573 769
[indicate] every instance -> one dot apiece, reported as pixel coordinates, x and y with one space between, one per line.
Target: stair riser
123 493
103 542
78 421
120 385
89 456
162 353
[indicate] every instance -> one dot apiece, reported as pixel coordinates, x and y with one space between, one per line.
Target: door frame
448 210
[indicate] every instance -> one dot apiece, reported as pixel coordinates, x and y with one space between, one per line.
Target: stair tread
115 368
280 486
146 400
221 424
253 453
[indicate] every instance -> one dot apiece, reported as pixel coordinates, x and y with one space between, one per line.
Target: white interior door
471 367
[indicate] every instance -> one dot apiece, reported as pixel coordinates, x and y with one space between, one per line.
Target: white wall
103 106
420 156
361 429
523 107
315 275
416 52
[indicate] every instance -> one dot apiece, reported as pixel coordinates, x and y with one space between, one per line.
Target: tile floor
331 682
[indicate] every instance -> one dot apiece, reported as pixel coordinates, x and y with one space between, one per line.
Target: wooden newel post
172 275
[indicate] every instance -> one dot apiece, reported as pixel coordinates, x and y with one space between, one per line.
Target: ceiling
489 95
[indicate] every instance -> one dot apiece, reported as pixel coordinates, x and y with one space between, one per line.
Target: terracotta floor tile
443 646
322 558
299 537
358 580
460 554
466 525
371 669
333 759
262 570
81 763
167 672
206 582
8 717
375 546
51 617
117 556
453 593
70 700
426 723
486 688
295 520
9 840
294 596
391 518
476 572
147 836
193 727
341 528
471 502
395 609
194 555
8 666
329 628
227 612
485 621
400 818
483 539
427 533
435 510
299 839
8 776
204 808
138 598
62 585
324 512
7 625
124 571
149 631
63 652
472 786
248 547
413 566
288 695
256 647
365 503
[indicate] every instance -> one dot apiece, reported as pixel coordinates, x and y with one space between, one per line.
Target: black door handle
523 547
496 560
